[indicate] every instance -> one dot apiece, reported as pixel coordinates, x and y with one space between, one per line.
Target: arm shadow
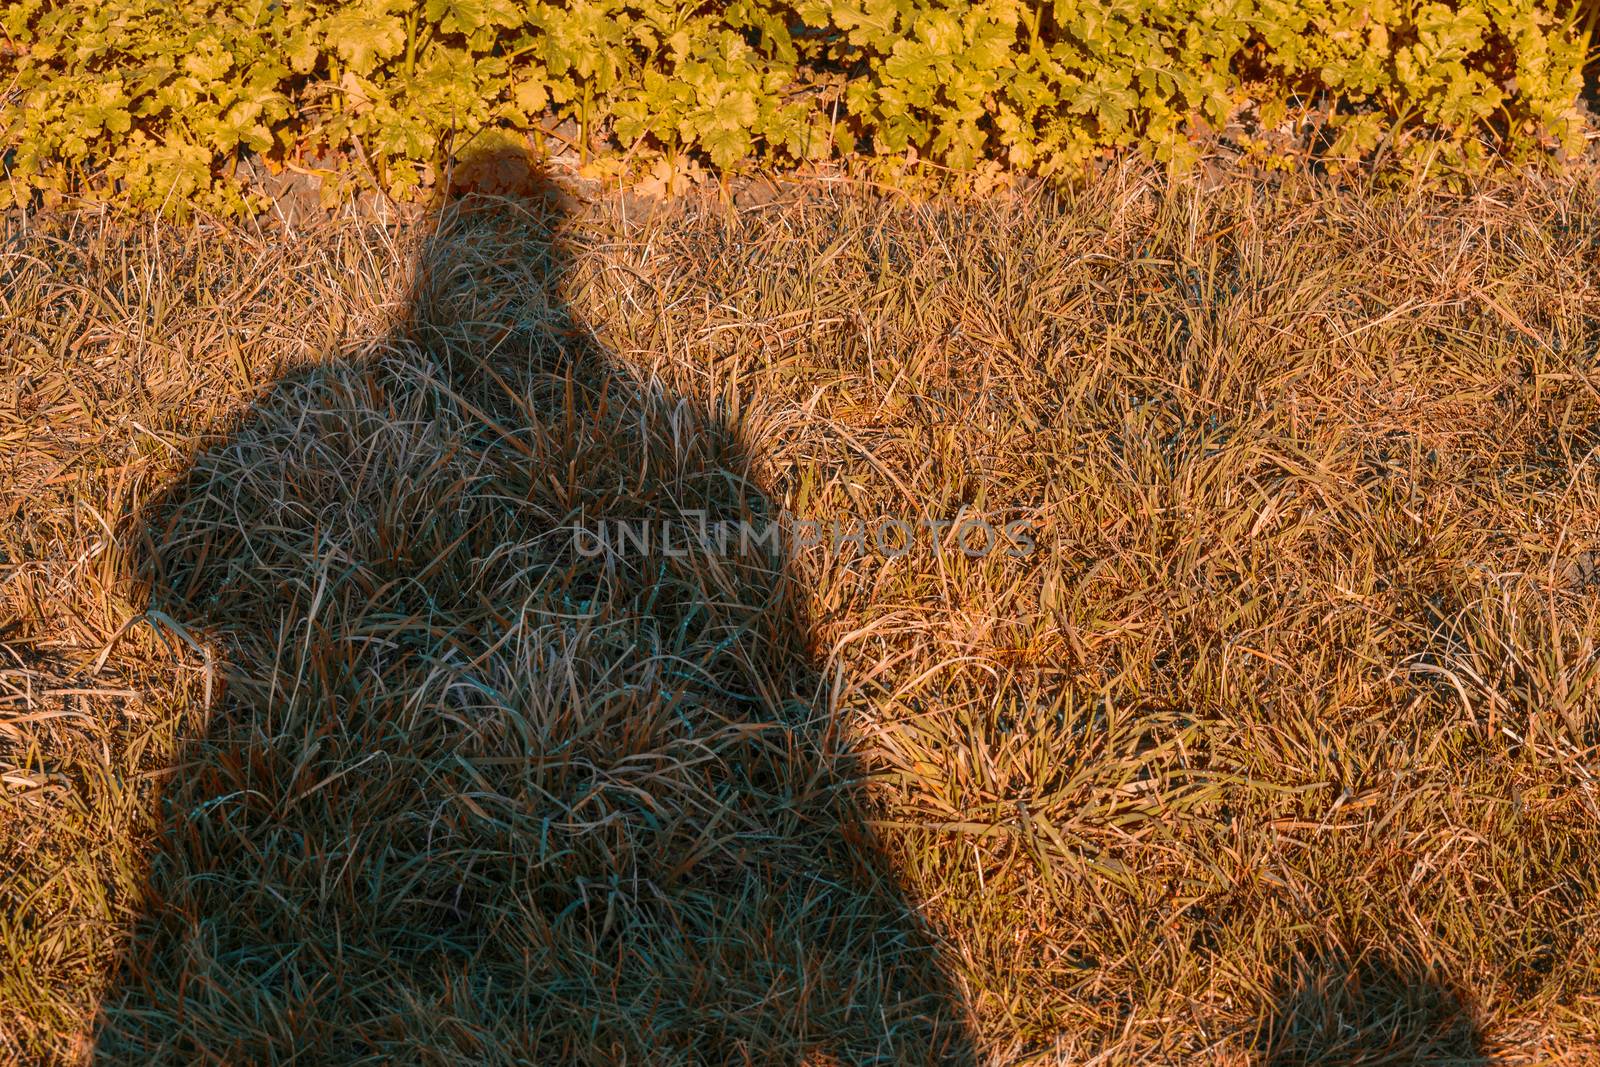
487 782
1330 1009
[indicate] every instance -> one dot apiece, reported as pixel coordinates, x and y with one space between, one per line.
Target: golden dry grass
1282 748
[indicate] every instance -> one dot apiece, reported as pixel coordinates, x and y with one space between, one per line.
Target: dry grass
319 739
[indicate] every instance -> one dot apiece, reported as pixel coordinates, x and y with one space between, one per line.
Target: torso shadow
482 786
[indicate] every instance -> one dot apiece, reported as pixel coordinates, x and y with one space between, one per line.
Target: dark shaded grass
470 794
1334 1010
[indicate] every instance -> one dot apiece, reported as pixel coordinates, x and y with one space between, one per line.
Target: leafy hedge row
156 100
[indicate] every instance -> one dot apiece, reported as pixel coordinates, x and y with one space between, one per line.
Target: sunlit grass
1282 747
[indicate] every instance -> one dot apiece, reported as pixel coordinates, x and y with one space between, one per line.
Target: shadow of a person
489 781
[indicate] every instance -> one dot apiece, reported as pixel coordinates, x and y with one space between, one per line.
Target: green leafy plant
157 102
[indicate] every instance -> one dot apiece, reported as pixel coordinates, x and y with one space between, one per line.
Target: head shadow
1327 1008
480 785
